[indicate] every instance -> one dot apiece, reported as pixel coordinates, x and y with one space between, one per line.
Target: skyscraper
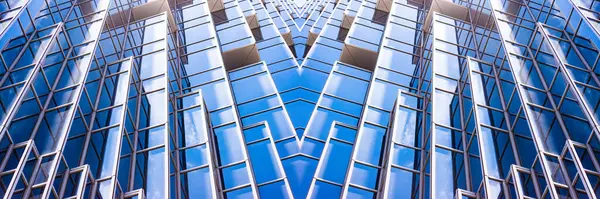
187 99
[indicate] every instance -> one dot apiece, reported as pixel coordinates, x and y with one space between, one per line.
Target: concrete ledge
240 57
359 57
143 11
454 10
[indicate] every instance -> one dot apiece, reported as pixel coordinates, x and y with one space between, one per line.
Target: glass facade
186 99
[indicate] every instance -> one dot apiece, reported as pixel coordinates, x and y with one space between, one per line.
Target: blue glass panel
364 175
229 144
247 71
222 116
235 175
325 190
346 87
156 175
299 180
377 116
282 79
403 184
343 133
405 157
216 95
312 147
357 193
194 157
299 112
198 183
315 82
341 105
258 105
193 130
322 120
274 190
151 137
252 87
264 161
240 193
334 162
370 144
279 123
287 147
299 93
256 133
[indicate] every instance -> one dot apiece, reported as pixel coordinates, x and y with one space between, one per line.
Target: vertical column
578 75
148 44
77 183
101 145
454 153
522 182
28 115
580 178
196 33
396 69
403 166
257 100
197 165
500 147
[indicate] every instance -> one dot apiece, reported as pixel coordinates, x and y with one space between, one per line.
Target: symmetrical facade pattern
186 99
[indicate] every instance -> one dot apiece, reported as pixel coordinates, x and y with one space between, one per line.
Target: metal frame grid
478 92
58 102
405 140
102 142
525 60
501 147
452 132
149 132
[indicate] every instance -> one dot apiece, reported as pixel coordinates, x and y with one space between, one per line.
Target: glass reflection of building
299 99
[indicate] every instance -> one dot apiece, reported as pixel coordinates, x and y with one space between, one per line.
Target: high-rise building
192 99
